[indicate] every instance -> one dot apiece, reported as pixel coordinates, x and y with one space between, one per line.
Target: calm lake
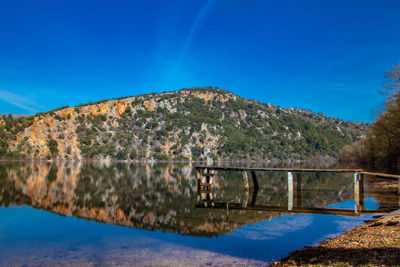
131 214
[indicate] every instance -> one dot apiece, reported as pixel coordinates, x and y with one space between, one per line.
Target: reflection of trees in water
159 197
317 189
385 191
320 162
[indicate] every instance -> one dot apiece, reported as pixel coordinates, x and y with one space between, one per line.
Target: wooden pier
205 176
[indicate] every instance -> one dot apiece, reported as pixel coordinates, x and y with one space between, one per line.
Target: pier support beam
298 191
198 185
361 194
357 203
290 191
204 186
207 198
254 178
254 197
246 181
210 178
245 198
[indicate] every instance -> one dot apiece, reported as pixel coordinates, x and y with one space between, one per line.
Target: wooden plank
388 218
277 169
346 212
205 188
207 174
398 190
208 200
395 176
361 171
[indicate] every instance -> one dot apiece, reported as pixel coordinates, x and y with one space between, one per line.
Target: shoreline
376 243
328 161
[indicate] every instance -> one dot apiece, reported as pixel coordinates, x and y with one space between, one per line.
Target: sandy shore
372 244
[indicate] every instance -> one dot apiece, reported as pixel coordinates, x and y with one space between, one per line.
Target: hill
193 124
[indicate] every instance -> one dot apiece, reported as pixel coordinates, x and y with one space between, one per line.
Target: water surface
132 214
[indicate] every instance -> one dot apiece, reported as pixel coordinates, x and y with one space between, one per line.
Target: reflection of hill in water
161 197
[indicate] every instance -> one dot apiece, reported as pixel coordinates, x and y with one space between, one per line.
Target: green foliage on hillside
9 130
196 123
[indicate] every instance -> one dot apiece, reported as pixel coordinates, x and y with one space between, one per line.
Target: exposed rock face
198 123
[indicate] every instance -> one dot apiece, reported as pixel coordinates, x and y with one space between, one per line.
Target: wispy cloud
193 29
19 101
271 229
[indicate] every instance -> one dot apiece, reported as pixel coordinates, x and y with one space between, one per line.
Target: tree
392 84
381 146
53 146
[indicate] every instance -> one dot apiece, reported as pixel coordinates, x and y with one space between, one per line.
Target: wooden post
198 186
290 191
204 188
207 197
245 198
202 197
198 179
198 196
211 198
356 192
254 197
254 178
203 178
210 177
298 190
361 194
211 182
246 181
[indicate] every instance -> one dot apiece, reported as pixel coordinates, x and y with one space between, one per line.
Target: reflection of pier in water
163 197
205 197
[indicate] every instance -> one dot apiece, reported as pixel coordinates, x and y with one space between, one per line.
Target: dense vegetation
380 148
196 124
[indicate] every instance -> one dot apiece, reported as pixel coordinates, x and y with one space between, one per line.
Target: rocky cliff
193 124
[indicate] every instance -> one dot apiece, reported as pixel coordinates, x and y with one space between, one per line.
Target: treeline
380 148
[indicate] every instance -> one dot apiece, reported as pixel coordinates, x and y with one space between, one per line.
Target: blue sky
327 56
